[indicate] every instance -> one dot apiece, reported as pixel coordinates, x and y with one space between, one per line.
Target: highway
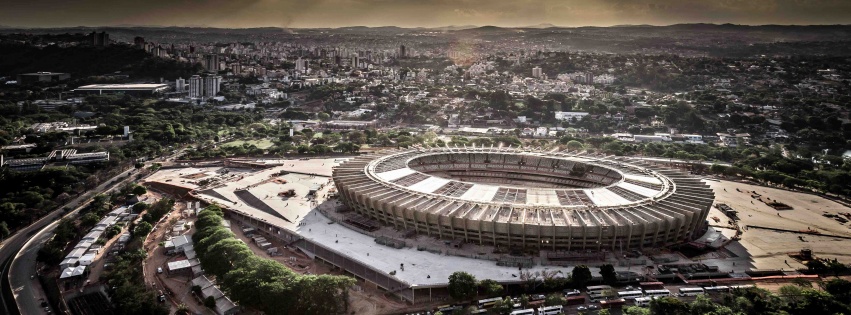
23 264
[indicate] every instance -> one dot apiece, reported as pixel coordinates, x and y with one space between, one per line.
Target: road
25 244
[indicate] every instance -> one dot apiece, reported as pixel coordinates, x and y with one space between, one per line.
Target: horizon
465 26
420 13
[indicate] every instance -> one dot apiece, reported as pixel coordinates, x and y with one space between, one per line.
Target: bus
742 287
663 292
598 292
575 300
612 303
629 295
488 302
655 285
528 311
644 301
717 289
691 291
449 309
550 310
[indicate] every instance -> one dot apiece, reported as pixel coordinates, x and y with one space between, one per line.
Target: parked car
573 292
159 269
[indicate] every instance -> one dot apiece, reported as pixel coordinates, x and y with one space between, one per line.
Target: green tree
839 288
581 275
4 229
224 255
668 306
636 310
357 137
490 287
702 305
210 302
574 145
139 190
139 207
462 286
609 274
182 309
555 299
142 229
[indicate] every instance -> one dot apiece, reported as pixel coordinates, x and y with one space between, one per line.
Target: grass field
262 144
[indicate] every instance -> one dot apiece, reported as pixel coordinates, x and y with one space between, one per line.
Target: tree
791 293
139 207
182 309
222 256
718 169
609 274
139 190
210 302
604 312
554 299
669 306
702 305
636 310
4 229
462 286
839 288
581 275
142 229
89 219
574 145
357 137
490 287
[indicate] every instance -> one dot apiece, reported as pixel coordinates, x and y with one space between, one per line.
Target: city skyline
430 13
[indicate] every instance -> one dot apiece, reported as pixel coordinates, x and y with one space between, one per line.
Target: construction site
742 232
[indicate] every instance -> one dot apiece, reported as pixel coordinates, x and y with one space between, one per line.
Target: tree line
260 283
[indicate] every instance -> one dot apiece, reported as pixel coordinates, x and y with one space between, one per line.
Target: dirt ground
178 285
767 249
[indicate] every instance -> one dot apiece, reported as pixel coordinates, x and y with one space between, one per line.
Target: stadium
520 198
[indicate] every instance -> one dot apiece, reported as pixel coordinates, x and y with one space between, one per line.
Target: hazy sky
413 13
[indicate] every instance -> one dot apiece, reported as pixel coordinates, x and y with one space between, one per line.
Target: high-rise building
537 72
100 39
179 85
589 78
301 64
402 52
204 86
212 63
212 84
355 61
236 68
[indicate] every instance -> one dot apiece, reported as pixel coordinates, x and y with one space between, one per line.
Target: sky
416 13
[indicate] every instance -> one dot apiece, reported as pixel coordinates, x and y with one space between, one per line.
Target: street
27 290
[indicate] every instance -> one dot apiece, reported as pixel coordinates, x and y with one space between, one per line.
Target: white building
206 86
301 65
179 85
696 139
536 72
570 116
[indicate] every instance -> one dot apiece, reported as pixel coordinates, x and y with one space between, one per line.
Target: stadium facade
520 198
